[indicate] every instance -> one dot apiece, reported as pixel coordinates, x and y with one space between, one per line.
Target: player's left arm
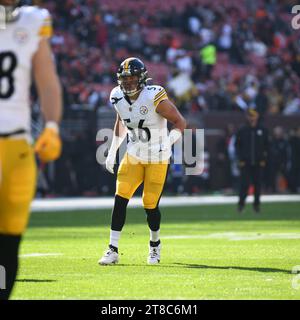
48 146
169 111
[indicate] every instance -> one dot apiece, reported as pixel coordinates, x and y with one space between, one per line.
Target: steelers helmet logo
143 110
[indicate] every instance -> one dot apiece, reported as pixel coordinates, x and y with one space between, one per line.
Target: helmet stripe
126 64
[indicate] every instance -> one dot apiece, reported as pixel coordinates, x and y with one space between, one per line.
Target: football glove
175 134
112 153
48 146
110 163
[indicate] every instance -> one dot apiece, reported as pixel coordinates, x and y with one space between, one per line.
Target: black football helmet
130 68
11 10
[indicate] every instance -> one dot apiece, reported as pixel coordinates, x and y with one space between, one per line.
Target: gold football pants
133 172
17 185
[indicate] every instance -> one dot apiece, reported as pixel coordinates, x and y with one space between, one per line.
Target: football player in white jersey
24 50
143 111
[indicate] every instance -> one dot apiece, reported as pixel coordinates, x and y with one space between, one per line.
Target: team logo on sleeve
143 110
21 35
115 100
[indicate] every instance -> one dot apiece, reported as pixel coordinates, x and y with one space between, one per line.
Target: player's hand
174 136
110 163
48 146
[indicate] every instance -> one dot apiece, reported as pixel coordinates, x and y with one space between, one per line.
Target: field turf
208 252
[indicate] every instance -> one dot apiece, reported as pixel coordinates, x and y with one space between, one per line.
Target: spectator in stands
208 56
232 155
225 38
278 160
262 102
292 105
251 145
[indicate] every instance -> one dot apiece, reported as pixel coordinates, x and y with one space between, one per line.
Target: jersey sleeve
160 96
111 96
112 99
45 28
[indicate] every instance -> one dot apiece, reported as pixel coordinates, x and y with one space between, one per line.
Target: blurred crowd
230 55
281 174
211 56
282 171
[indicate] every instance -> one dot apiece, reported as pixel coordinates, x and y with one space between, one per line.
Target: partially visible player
144 110
24 50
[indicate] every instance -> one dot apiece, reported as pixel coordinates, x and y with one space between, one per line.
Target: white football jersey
148 138
18 43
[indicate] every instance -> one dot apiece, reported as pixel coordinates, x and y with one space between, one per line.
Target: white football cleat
154 255
110 257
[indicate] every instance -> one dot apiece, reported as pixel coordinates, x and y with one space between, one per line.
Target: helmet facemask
129 84
132 76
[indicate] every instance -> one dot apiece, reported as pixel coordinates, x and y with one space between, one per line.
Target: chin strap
140 85
131 94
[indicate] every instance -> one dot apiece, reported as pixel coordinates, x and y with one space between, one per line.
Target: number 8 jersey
19 41
148 138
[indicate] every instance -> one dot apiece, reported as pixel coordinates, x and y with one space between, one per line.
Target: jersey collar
138 98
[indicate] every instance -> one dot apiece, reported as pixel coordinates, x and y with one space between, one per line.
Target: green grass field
209 252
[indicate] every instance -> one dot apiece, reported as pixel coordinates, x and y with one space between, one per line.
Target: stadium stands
96 35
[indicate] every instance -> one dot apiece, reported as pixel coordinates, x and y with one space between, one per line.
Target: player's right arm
118 137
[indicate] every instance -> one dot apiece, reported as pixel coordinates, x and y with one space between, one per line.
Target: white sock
114 238
154 235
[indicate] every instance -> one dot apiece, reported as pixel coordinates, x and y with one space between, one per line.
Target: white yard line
30 255
238 236
73 204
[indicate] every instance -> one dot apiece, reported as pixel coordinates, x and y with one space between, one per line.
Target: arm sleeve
111 101
45 29
160 96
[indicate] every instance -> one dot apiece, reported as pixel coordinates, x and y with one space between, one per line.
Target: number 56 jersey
19 41
148 138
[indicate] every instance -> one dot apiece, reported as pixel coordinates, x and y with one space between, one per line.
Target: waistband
17 135
13 133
